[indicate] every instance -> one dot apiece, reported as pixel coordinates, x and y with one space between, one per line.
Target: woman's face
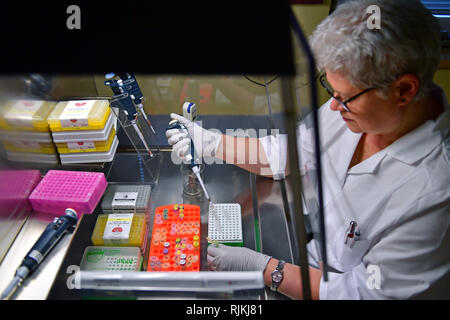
368 112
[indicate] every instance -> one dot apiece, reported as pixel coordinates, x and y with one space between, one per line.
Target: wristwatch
277 275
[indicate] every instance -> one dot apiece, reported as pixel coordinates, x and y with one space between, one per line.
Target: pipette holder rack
149 164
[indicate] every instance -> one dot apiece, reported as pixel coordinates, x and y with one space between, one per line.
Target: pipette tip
216 243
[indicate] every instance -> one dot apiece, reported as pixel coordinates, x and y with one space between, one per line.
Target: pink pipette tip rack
61 189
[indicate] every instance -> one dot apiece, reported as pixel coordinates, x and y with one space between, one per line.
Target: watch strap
279 269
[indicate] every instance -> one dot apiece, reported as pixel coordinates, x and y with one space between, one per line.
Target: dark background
195 37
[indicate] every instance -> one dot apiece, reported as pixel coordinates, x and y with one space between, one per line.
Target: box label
124 201
76 113
81 145
117 229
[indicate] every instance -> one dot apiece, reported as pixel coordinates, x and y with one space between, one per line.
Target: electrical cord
316 77
261 84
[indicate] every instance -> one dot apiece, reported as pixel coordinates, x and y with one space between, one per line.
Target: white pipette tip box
225 224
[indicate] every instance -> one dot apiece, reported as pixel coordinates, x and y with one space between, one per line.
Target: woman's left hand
227 258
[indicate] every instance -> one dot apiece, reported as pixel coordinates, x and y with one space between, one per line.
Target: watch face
277 276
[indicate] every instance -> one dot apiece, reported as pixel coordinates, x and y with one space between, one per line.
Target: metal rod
291 126
256 213
139 133
282 181
314 106
204 281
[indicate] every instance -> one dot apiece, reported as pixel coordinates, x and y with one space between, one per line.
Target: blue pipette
190 113
49 238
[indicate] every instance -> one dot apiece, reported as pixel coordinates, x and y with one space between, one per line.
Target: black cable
260 84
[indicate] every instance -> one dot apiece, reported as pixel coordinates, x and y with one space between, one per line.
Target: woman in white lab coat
385 143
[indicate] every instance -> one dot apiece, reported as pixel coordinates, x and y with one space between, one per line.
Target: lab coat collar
413 146
418 143
408 149
369 165
342 163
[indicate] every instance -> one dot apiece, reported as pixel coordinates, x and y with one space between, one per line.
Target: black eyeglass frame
331 93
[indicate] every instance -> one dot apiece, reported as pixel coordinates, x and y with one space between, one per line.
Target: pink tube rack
61 189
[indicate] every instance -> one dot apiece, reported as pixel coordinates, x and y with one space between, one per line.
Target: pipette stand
148 163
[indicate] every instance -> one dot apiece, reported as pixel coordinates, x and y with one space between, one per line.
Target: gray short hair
407 42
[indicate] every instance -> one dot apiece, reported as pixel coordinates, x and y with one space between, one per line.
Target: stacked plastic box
24 131
84 131
125 218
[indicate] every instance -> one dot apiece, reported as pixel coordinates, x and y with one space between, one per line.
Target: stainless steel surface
9 229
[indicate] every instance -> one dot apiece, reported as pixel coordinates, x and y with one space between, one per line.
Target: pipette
190 113
135 93
215 242
122 100
175 124
49 238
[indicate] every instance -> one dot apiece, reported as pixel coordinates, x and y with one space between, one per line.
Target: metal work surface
264 227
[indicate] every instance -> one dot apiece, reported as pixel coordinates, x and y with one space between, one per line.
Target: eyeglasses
326 85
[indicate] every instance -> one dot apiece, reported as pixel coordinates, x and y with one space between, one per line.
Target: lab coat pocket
351 256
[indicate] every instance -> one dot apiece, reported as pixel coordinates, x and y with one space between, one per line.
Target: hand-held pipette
190 113
175 124
49 238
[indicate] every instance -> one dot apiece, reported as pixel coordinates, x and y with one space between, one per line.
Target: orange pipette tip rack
175 244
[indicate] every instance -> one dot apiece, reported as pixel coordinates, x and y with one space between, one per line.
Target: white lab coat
400 199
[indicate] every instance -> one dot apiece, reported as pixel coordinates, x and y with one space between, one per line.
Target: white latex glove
180 142
228 258
206 142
